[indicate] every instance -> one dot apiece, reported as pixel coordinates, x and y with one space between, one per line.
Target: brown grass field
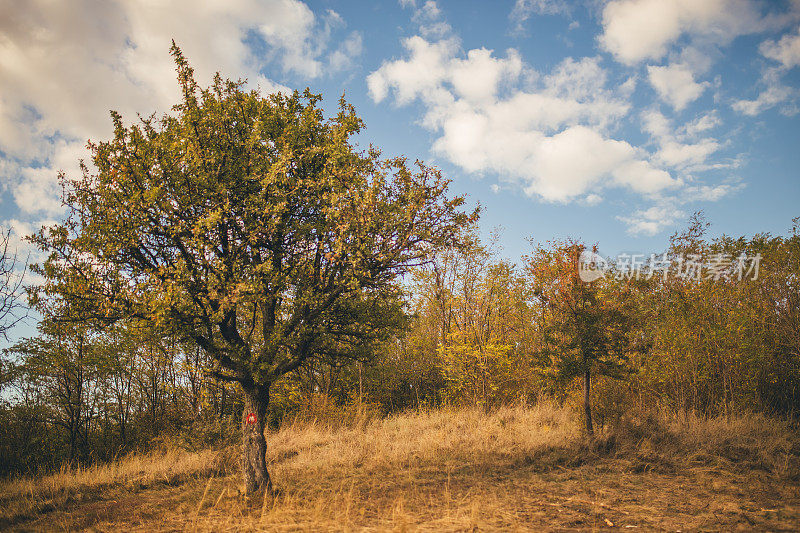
516 468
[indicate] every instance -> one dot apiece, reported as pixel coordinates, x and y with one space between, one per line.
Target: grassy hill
452 470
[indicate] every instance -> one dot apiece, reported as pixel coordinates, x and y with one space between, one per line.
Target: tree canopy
251 224
585 327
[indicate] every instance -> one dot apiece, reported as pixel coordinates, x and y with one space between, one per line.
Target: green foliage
248 224
703 345
584 327
246 239
727 344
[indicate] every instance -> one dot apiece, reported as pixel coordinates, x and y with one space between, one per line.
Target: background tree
469 340
584 329
704 344
61 362
12 310
724 339
251 225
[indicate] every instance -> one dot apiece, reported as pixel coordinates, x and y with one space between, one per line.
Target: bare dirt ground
516 469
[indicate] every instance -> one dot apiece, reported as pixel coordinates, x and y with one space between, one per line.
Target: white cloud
288 27
635 30
697 61
477 78
64 65
523 9
710 193
652 220
702 124
428 17
627 88
552 140
578 159
786 51
38 190
689 31
419 77
679 148
656 124
769 97
25 251
681 155
343 58
686 150
593 199
774 93
429 11
675 84
555 134
578 80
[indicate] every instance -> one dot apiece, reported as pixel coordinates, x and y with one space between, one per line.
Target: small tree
61 362
12 310
250 224
584 329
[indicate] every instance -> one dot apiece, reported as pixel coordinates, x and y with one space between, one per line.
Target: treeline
75 395
715 331
713 328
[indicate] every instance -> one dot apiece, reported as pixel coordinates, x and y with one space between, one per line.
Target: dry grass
27 497
515 468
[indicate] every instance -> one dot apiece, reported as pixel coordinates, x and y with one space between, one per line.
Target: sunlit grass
450 469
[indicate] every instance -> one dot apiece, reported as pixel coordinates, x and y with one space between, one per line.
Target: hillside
459 470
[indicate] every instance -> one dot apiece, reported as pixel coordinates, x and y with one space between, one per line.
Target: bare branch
12 310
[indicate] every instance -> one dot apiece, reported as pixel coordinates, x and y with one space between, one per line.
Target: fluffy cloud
578 159
63 65
26 253
421 76
551 138
687 149
638 30
675 84
635 30
786 51
680 148
681 155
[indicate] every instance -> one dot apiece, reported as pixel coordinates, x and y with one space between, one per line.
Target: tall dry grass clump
670 441
427 436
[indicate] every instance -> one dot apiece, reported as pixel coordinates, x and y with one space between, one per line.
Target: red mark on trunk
251 418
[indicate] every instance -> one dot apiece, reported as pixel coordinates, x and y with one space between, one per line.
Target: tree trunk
221 401
360 383
73 442
254 445
587 406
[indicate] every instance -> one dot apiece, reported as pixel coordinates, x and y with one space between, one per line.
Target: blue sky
607 121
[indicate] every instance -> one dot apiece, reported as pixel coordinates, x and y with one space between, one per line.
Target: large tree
251 224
